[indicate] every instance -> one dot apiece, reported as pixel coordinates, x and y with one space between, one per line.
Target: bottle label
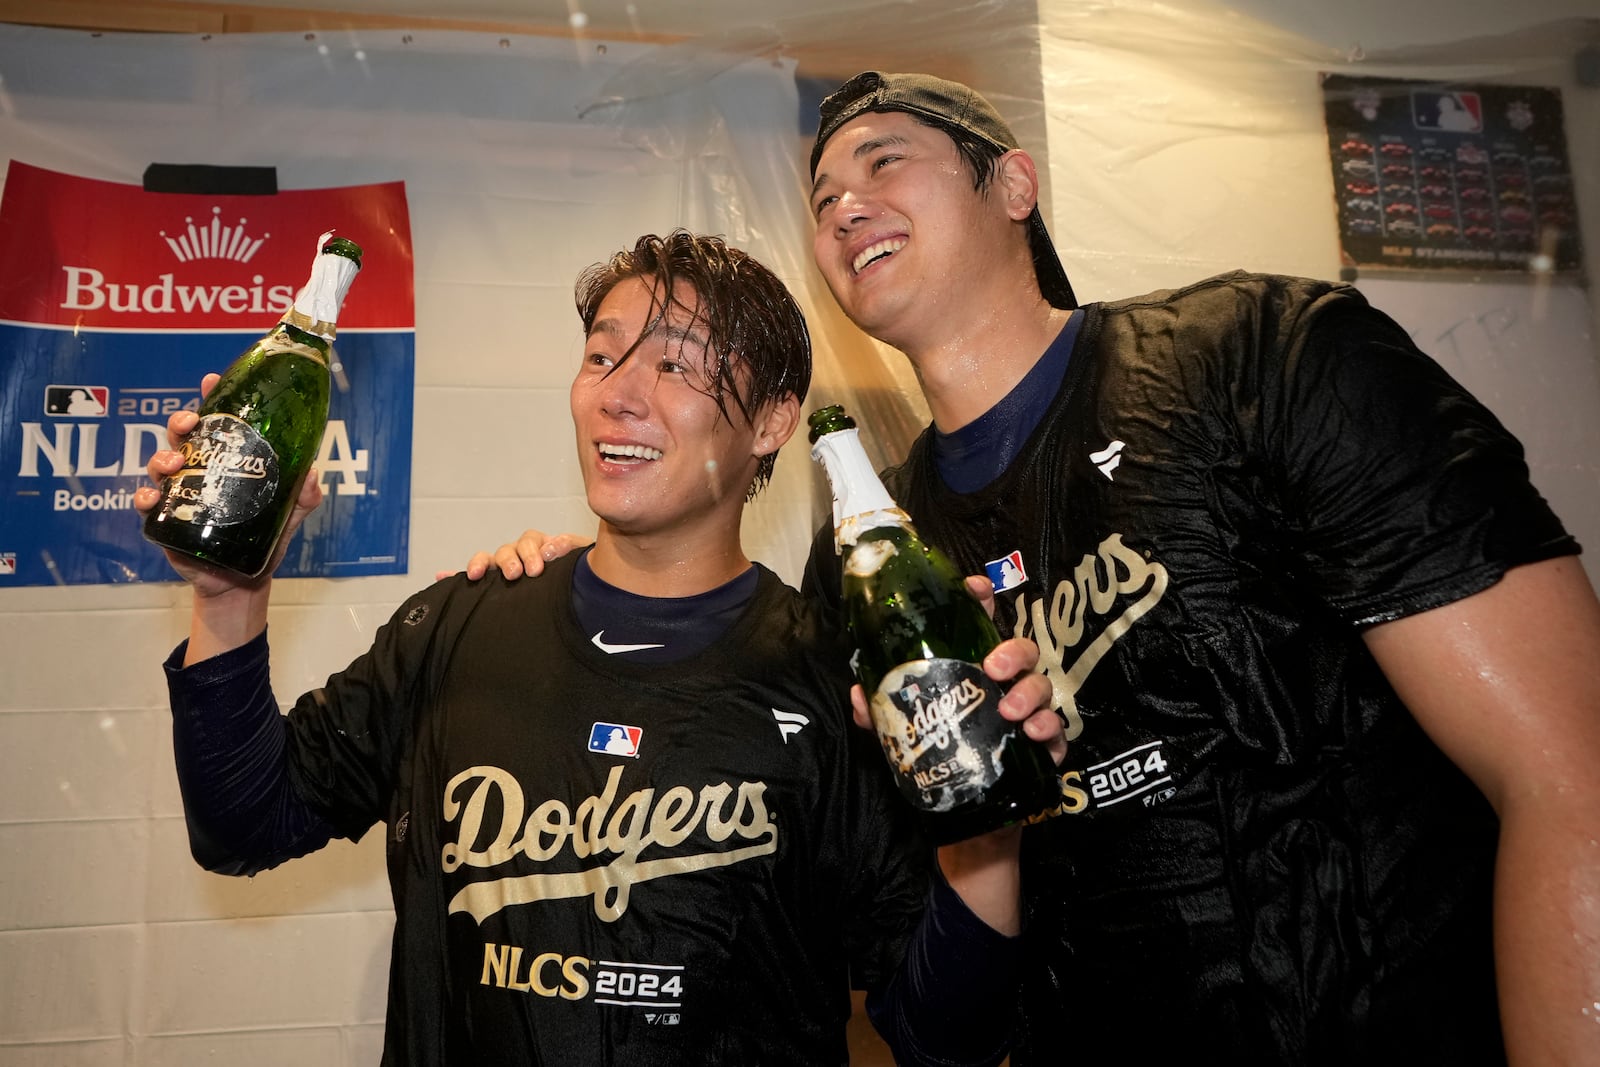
938 722
229 474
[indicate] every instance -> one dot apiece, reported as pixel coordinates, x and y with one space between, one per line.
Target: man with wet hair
1327 660
748 312
628 818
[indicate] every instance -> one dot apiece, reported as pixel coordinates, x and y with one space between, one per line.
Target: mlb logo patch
93 401
615 739
8 563
1006 572
1460 112
910 693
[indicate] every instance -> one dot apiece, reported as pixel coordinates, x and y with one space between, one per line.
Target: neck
666 564
964 373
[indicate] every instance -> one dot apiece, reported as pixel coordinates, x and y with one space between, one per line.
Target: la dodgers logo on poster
115 301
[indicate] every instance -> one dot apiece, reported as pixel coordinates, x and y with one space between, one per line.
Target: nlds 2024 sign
114 302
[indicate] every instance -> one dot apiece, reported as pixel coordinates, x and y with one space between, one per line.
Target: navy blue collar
975 455
644 629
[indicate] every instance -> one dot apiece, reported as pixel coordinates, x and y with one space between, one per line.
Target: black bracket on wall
210 180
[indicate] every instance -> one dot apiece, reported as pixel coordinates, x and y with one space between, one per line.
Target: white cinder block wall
1180 142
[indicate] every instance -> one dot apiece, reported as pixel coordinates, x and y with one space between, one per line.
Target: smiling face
656 451
902 235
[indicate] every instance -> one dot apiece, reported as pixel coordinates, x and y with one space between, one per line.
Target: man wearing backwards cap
1256 528
1326 658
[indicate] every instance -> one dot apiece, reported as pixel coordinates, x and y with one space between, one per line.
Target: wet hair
760 349
981 156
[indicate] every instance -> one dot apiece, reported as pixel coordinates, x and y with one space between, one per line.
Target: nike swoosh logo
603 646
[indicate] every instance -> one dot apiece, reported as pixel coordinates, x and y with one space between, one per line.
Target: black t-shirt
1260 857
601 862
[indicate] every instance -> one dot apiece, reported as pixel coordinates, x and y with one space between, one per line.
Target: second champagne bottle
919 637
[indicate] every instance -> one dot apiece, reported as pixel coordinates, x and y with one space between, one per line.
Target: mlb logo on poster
615 739
1460 112
77 400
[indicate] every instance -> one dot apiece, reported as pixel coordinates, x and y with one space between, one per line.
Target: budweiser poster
115 301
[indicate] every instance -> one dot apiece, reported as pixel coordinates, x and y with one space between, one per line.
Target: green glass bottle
259 431
919 637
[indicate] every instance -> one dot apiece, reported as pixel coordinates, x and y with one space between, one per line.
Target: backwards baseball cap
949 106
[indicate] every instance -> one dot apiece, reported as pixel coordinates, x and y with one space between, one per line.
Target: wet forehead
634 302
869 132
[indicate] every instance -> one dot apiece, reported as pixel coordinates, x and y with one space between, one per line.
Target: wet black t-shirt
1260 857
601 862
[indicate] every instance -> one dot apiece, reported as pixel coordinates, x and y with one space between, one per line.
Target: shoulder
1232 329
450 604
903 477
794 631
780 613
1276 300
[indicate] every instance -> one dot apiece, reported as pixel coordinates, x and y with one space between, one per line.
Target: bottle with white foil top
259 431
919 636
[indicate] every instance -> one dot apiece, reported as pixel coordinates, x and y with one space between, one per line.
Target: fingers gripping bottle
259 431
919 636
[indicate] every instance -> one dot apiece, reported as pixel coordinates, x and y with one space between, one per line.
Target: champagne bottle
259 431
920 635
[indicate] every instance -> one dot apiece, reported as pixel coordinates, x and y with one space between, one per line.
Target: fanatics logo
1107 458
1006 572
79 401
789 723
615 739
215 241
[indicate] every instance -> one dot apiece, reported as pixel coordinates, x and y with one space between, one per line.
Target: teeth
867 255
630 451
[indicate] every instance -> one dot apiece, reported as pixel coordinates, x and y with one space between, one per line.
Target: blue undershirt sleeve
954 998
228 739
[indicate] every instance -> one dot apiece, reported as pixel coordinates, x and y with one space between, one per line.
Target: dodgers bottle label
919 637
259 431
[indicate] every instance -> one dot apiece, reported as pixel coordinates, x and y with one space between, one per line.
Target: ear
775 424
1018 180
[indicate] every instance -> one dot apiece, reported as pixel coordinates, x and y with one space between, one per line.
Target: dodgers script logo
488 804
1058 624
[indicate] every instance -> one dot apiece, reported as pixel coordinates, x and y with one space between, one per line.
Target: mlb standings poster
115 301
1449 177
